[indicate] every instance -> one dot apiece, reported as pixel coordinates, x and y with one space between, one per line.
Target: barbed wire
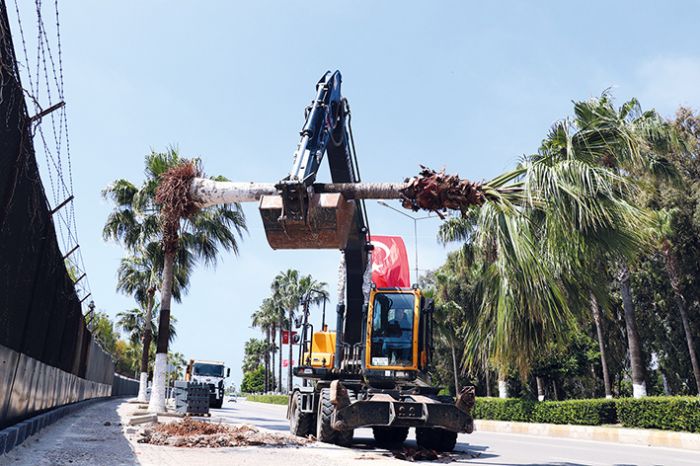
42 94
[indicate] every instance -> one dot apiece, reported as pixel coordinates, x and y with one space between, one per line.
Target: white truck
210 373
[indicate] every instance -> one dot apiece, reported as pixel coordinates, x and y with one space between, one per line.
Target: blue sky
468 86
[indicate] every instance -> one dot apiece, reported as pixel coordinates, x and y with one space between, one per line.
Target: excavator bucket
327 223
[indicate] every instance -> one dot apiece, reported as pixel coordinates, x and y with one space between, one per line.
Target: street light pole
415 231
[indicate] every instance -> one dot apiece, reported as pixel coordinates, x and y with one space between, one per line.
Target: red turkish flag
285 363
390 262
285 336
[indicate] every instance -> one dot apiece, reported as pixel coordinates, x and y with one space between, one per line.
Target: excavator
373 370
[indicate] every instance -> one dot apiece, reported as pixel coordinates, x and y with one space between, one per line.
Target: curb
11 437
622 435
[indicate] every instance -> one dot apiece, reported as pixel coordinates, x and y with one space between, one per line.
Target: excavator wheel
300 424
388 436
324 432
436 439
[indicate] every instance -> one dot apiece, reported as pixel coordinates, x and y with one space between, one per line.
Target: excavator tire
388 436
436 439
300 424
324 432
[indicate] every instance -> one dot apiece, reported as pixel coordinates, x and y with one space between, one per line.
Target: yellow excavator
373 371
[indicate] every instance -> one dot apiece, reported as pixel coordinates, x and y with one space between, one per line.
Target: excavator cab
398 333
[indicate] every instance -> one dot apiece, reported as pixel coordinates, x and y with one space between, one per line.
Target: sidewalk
99 435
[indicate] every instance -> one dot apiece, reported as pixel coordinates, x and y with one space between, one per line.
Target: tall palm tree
139 275
288 289
628 141
266 317
669 253
311 293
285 291
185 235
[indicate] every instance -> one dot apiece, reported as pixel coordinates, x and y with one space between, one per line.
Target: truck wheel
300 424
324 432
436 439
390 435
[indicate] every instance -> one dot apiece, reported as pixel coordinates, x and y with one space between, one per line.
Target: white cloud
667 82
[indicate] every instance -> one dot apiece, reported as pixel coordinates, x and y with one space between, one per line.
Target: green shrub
499 409
660 412
581 412
272 399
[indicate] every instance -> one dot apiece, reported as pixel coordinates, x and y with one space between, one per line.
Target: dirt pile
197 434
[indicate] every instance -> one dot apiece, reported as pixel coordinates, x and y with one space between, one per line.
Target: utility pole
415 232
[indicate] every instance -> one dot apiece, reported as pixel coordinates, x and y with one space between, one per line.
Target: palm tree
629 141
447 331
289 289
285 291
183 235
533 255
266 317
133 322
673 270
139 275
311 292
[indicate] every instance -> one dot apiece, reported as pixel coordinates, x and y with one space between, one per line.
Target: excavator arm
316 217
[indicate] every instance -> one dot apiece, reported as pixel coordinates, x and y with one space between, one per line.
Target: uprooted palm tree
177 235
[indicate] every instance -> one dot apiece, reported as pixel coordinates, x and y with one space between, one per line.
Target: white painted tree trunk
502 389
206 192
157 402
143 385
540 389
639 390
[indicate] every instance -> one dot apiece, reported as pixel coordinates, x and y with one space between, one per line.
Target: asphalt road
486 447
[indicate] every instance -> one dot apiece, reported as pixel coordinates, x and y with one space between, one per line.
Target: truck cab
211 373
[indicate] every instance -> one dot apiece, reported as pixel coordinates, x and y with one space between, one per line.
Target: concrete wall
29 386
124 386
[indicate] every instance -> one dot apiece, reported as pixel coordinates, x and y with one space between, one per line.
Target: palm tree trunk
279 379
289 366
157 402
487 378
267 360
273 351
454 369
147 336
502 385
672 270
639 388
540 388
595 310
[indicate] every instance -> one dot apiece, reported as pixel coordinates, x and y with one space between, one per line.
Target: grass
271 399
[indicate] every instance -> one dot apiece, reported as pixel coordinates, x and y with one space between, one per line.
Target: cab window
392 329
